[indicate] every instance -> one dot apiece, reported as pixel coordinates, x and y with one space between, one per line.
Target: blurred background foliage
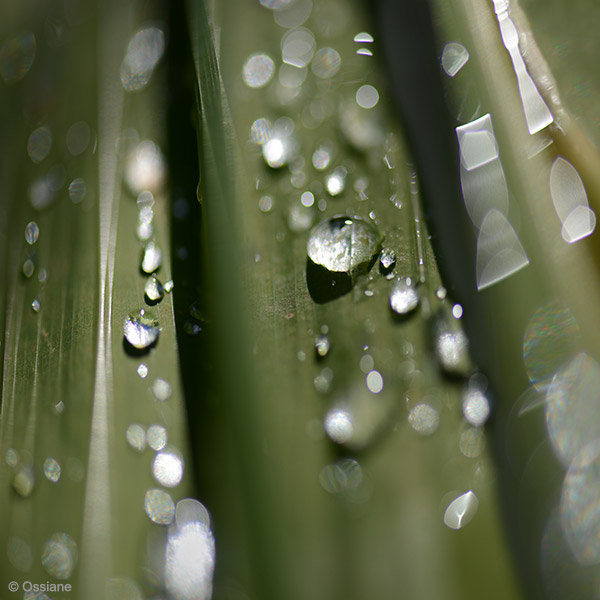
180 323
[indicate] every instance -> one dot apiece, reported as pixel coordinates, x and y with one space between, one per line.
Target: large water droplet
141 330
152 258
344 244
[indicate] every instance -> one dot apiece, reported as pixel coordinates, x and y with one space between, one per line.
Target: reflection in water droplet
144 51
338 425
551 339
367 96
35 305
161 389
136 437
404 297
77 190
157 437
461 510
471 442
344 244
475 407
19 554
336 182
258 70
16 56
454 57
190 561
151 258
141 330
52 470
326 63
424 419
570 201
142 371
39 144
167 467
154 290
23 480
579 503
59 555
322 346
32 233
573 406
374 382
159 506
145 168
78 138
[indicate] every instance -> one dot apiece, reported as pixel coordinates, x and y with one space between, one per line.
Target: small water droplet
374 382
275 152
471 442
154 290
32 233
77 190
168 286
461 510
28 268
11 457
424 419
20 555
159 506
78 137
156 437
16 56
52 469
344 244
363 38
307 199
452 348
151 258
454 57
59 555
326 63
142 371
336 182
260 131
39 144
323 380
35 305
265 204
43 276
136 437
258 70
441 293
23 480
144 51
322 346
475 407
321 158
387 260
338 425
141 330
367 96
404 297
167 468
366 363
145 168
457 311
300 218
161 389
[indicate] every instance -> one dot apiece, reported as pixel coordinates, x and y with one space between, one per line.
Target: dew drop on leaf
52 469
151 258
154 290
404 297
141 329
159 506
59 555
32 233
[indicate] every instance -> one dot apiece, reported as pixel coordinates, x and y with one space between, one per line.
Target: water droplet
364 52
326 63
454 57
136 437
322 381
141 330
11 457
35 305
475 407
307 199
28 268
144 51
338 425
363 38
265 204
169 286
156 437
404 297
154 290
441 293
300 218
258 70
189 510
145 168
322 346
275 152
52 469
142 371
16 56
374 382
298 47
424 419
260 131
151 258
167 468
336 182
39 144
19 554
78 138
32 233
77 190
367 96
366 363
471 442
161 389
321 158
457 311
461 510
23 480
293 14
159 506
387 260
59 555
344 244
452 347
